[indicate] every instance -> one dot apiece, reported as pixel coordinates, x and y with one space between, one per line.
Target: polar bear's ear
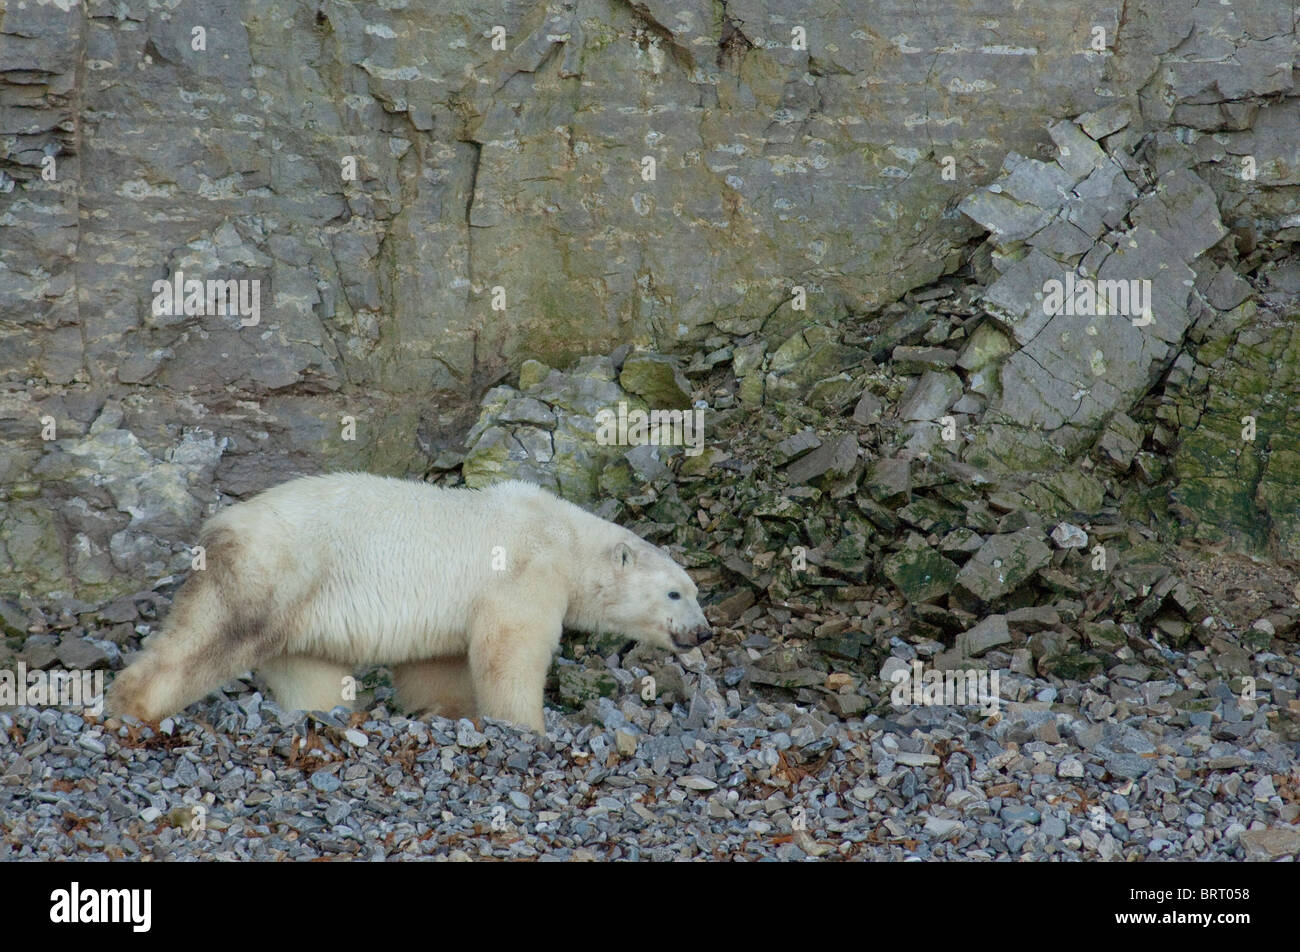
623 555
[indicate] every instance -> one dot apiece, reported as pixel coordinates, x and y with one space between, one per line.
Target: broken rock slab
833 459
913 360
656 379
1120 442
889 480
868 409
792 447
1095 282
1004 563
921 574
990 633
930 397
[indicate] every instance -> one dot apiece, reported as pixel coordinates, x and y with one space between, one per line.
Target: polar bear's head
653 600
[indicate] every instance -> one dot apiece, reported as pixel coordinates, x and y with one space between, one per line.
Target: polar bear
463 592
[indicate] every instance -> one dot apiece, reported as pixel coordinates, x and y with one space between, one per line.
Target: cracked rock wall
502 208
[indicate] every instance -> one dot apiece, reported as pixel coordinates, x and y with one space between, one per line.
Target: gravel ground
1108 770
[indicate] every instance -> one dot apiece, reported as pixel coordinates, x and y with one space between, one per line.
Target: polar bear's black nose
702 634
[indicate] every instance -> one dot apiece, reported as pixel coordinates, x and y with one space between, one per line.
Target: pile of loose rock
1107 769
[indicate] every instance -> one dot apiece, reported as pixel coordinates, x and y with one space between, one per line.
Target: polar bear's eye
674 595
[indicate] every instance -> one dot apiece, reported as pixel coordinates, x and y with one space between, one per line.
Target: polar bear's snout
688 638
692 630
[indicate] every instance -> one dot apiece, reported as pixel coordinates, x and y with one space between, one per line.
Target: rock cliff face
428 194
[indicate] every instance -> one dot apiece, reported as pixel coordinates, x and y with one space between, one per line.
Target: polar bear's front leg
300 683
511 643
440 685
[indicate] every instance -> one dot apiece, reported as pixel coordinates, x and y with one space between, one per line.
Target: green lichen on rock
656 379
1004 563
921 574
1235 470
31 546
578 685
812 359
1073 666
531 373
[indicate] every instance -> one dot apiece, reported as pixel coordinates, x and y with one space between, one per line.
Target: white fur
352 569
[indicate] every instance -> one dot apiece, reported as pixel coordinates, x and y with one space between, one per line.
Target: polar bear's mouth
684 639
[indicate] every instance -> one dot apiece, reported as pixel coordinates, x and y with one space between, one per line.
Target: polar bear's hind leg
218 628
440 685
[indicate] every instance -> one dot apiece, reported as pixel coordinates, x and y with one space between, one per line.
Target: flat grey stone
931 396
990 633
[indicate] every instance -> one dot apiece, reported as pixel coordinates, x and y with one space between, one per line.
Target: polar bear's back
362 555
353 504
